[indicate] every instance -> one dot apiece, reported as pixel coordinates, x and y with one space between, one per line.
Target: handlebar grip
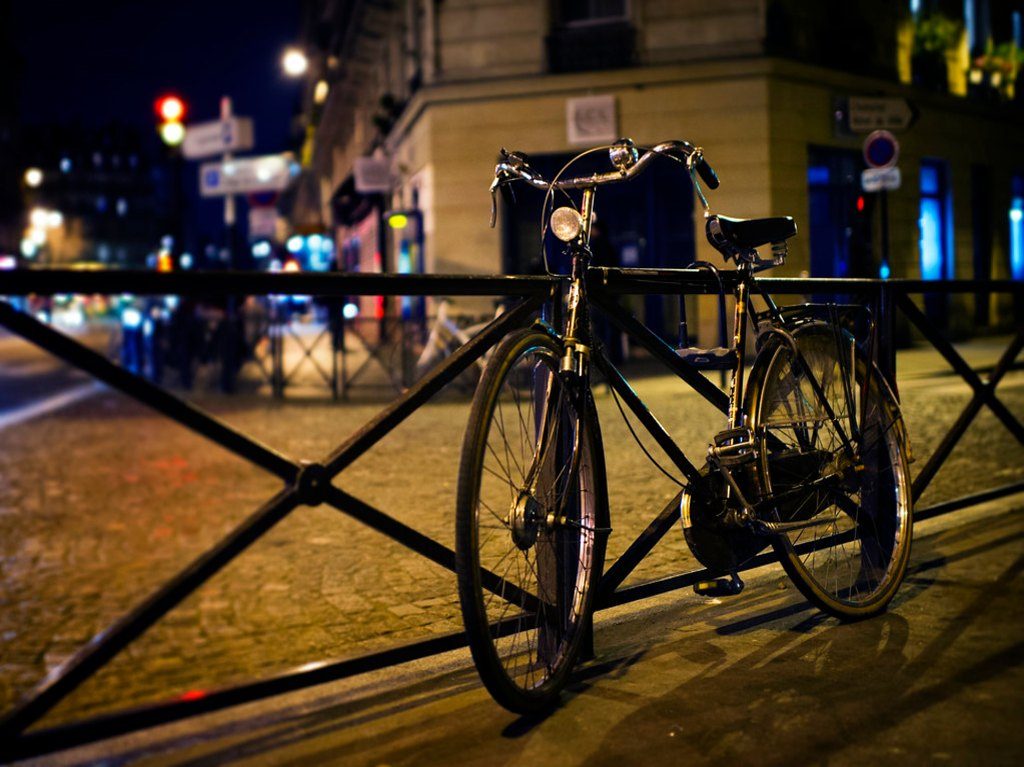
707 173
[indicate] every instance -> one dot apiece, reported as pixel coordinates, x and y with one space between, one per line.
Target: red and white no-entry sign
881 149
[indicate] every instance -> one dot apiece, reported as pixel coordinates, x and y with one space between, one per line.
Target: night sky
108 60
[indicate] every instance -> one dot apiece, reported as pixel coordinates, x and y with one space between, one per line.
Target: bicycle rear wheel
847 501
530 511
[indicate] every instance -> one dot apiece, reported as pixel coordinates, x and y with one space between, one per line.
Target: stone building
409 101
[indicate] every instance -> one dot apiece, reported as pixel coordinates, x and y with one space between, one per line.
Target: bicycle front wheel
530 519
833 466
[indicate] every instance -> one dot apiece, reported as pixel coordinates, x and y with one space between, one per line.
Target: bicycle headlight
566 223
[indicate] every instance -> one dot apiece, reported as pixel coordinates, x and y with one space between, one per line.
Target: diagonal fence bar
67 677
984 393
423 545
427 387
148 393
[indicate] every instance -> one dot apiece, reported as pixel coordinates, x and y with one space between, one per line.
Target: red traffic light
170 108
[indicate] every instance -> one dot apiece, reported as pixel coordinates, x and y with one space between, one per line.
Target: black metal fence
312 482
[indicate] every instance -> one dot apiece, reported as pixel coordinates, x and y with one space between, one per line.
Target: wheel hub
525 521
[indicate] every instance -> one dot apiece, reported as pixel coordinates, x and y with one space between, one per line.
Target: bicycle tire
851 562
526 642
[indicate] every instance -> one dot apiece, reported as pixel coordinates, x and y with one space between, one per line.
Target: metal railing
311 483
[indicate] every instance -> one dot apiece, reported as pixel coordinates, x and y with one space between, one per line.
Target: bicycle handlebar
515 166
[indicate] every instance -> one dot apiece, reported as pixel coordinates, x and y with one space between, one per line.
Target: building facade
781 94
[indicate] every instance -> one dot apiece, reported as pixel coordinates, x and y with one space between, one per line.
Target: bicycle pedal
716 358
719 587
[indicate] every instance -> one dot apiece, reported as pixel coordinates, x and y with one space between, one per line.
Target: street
103 500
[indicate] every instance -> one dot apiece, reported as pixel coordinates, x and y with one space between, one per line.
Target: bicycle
445 336
813 459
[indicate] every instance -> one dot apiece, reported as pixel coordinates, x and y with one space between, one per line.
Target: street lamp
295 62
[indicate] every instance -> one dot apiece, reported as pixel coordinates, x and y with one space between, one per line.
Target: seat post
739 344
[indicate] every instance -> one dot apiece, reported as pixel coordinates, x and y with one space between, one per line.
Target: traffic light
171 111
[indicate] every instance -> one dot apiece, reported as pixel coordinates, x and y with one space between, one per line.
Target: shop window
934 222
1017 229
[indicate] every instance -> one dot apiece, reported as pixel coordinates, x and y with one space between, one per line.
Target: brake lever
507 192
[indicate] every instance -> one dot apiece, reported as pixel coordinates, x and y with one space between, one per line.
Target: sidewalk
102 501
760 679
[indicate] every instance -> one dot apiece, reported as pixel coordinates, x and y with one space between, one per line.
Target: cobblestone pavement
104 500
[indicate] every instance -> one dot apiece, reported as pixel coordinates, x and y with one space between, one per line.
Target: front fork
576 355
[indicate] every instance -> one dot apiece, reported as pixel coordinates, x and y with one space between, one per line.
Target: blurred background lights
320 92
350 311
33 177
294 62
294 244
261 249
38 217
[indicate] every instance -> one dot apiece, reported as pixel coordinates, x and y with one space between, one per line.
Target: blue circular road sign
881 149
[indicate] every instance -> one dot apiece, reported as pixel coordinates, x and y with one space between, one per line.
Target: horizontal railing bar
48 281
616 281
194 703
964 501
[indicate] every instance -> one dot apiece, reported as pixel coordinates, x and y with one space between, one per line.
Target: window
934 222
1017 228
590 35
588 11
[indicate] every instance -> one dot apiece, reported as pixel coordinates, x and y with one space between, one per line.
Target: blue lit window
1017 229
934 222
818 175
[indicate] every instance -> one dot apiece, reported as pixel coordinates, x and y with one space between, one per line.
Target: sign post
881 151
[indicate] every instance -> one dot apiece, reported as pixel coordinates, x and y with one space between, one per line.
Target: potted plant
933 36
995 72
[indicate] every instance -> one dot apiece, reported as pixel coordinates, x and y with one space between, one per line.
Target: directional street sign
217 137
250 174
880 179
868 114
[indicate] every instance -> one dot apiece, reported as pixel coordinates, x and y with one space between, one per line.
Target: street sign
869 114
262 222
591 120
372 174
250 174
217 137
881 149
880 179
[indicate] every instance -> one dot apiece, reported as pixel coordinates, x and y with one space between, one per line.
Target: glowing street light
39 218
294 62
33 177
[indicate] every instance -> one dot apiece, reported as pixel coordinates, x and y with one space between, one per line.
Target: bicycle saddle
745 234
